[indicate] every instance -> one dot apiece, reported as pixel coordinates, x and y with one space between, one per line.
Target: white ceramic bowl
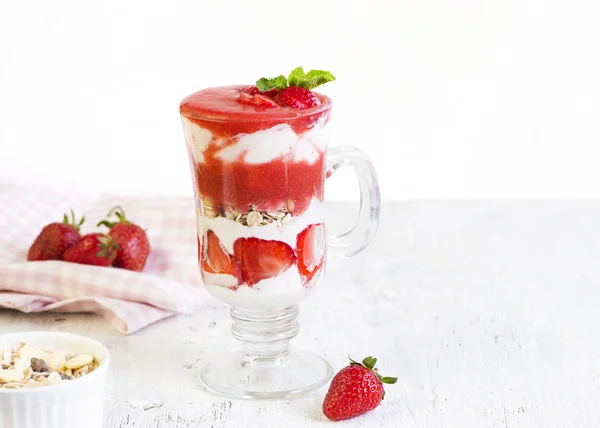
74 404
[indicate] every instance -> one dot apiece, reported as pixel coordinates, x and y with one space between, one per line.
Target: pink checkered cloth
169 284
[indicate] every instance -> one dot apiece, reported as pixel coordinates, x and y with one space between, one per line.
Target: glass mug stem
265 334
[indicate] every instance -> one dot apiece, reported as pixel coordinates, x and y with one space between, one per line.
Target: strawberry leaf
369 362
265 84
389 380
106 223
352 361
73 221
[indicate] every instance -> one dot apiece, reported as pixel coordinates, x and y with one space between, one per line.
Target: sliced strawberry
296 97
261 259
245 98
263 100
256 100
253 90
270 93
253 96
217 260
310 250
200 251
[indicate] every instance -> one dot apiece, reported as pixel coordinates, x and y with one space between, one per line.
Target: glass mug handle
361 234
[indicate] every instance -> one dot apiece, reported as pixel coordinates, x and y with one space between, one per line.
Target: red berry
245 98
253 90
263 100
258 100
134 246
92 249
54 239
215 259
261 259
355 390
296 97
310 251
270 93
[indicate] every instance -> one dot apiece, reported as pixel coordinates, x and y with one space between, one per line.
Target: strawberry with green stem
356 389
94 249
54 239
295 91
134 246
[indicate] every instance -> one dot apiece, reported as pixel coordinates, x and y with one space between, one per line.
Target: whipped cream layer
261 146
282 290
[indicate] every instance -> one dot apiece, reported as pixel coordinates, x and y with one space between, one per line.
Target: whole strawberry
355 390
92 249
296 97
132 240
294 91
54 239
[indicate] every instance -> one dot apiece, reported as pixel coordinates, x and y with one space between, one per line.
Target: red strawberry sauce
237 185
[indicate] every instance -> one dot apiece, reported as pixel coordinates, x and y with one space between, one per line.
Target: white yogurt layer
221 279
197 138
228 230
260 146
282 290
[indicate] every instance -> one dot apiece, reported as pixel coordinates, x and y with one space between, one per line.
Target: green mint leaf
315 78
389 380
264 84
370 362
296 77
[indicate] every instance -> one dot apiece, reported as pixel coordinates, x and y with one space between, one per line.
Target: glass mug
259 175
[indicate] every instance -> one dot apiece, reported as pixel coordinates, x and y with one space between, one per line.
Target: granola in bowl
24 366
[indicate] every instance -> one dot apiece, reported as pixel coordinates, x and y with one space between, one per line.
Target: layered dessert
257 156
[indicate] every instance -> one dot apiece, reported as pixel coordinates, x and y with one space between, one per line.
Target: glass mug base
237 375
265 367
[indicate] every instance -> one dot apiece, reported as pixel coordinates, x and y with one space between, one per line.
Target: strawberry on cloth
94 249
54 239
169 284
132 242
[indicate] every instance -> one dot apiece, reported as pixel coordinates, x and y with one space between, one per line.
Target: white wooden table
488 311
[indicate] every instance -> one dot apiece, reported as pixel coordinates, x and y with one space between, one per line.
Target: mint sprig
265 84
297 77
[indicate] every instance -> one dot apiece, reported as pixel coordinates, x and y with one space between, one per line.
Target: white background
460 98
